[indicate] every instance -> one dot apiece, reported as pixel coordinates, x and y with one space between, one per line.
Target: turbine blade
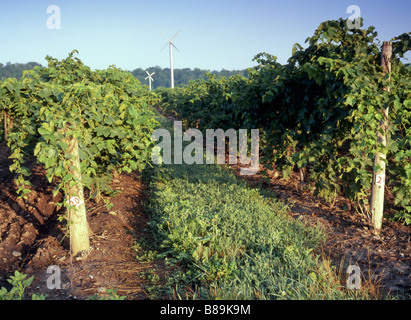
175 35
164 46
175 47
164 36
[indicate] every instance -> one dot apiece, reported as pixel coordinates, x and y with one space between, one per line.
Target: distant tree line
181 76
161 77
15 70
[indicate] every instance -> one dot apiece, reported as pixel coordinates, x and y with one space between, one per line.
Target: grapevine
318 112
108 112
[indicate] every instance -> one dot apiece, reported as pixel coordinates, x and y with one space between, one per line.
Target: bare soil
32 239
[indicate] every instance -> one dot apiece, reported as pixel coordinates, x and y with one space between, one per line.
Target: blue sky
214 34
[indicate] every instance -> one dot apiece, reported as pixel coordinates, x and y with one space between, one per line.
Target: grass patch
235 242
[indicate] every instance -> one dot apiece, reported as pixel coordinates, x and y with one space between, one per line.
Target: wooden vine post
77 219
8 124
5 124
378 181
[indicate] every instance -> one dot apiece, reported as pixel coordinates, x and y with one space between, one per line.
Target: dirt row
33 239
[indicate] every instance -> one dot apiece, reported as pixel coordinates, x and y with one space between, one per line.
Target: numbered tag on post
75 201
380 179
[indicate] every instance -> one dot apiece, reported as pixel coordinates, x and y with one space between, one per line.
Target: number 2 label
380 179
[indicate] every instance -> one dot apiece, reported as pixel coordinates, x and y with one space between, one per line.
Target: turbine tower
150 78
171 45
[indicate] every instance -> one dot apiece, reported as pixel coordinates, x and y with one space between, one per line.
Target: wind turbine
171 45
150 78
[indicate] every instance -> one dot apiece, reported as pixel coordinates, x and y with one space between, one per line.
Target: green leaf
43 131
